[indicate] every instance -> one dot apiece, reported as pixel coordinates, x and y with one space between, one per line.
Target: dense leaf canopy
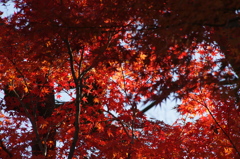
109 57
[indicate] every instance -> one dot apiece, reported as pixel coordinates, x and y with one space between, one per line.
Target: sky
165 112
7 10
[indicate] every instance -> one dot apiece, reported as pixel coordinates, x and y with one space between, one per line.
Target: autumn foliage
110 57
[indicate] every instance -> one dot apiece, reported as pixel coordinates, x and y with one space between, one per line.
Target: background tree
116 55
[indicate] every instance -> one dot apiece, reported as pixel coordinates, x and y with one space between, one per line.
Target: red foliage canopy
110 57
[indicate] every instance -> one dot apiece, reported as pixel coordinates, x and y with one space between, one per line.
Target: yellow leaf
142 56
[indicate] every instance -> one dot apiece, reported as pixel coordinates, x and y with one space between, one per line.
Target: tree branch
34 125
78 83
125 130
224 132
203 103
164 95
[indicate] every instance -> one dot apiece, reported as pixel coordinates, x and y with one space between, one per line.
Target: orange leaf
84 99
11 88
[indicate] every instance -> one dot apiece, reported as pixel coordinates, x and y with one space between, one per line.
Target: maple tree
109 57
